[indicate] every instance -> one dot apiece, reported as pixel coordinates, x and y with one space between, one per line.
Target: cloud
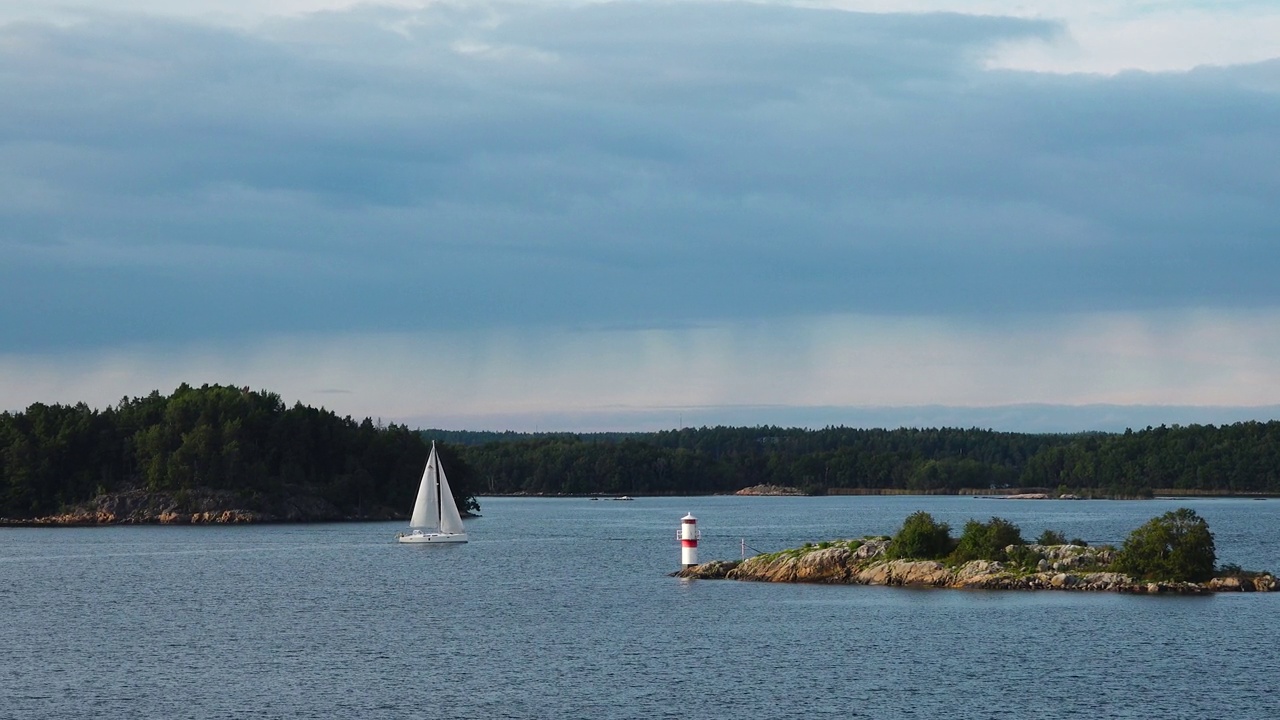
632 163
1111 36
573 207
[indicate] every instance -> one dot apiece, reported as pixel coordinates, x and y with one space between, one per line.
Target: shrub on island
1176 546
921 538
986 540
1051 537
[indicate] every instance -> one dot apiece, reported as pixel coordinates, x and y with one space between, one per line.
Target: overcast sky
564 215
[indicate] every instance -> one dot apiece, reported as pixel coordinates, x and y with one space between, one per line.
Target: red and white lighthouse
689 535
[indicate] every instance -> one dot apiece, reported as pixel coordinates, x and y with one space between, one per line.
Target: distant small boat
624 497
435 515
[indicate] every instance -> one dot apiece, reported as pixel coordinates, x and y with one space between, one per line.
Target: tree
921 538
987 541
1176 546
1051 537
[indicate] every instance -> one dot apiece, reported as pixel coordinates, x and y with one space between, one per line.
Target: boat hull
421 537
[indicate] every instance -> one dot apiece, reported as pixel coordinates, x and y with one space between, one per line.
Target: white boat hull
421 537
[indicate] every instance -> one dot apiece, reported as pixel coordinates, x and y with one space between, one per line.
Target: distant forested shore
1239 459
222 453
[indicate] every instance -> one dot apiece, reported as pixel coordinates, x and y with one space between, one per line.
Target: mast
439 499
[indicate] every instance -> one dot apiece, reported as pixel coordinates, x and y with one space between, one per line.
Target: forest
1242 458
232 438
212 437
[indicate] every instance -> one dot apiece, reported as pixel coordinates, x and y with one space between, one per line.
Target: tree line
215 437
723 459
1240 458
231 438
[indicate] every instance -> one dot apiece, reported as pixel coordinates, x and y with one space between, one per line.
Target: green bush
921 538
1176 546
1051 537
986 541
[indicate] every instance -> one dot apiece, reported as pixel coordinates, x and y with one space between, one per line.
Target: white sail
425 512
450 520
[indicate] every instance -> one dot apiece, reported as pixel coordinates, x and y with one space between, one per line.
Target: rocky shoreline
200 507
769 490
864 562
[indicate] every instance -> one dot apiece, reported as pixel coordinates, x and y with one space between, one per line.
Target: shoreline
142 508
45 522
977 493
206 507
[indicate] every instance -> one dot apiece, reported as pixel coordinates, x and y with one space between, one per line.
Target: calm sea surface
562 608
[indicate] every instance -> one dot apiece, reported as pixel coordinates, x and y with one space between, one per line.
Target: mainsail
426 513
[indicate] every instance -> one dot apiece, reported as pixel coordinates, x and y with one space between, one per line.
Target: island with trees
212 454
1173 553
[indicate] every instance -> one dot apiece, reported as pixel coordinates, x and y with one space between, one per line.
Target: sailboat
435 516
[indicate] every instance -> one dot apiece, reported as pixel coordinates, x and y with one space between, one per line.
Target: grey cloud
625 163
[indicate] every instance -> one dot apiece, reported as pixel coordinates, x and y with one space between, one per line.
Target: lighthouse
689 540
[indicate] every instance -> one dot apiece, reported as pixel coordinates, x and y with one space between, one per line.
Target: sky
546 215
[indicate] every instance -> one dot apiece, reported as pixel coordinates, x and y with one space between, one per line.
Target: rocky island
1166 555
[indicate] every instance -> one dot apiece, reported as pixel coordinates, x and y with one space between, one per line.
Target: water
563 609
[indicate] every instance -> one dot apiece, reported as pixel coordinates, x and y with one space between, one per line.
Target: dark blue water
563 609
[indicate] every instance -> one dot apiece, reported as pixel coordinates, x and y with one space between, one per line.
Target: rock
991 581
825 565
907 572
871 548
769 490
975 568
1263 582
1104 581
1228 584
819 565
714 570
